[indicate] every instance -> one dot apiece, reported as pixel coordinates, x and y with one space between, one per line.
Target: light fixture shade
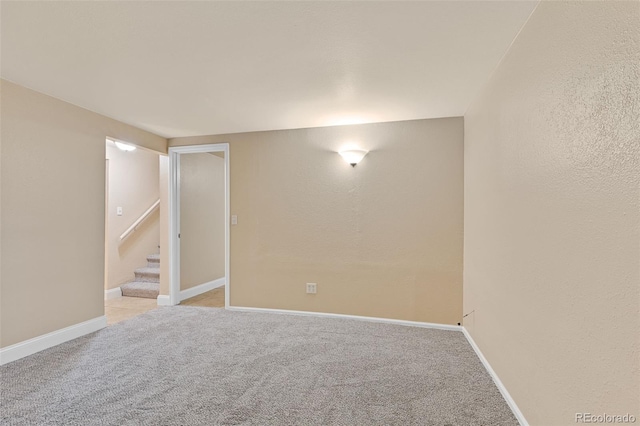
125 146
353 156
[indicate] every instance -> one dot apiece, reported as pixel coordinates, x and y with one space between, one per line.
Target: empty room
319 213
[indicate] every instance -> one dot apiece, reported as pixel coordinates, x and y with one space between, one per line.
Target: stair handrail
141 219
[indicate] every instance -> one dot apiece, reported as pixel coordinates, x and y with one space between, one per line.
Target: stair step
149 290
151 275
153 261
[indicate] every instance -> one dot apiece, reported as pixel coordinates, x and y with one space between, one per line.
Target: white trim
503 390
174 220
114 293
227 227
354 317
163 300
202 288
49 340
174 215
195 149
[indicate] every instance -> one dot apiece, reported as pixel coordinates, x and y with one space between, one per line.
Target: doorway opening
132 230
199 225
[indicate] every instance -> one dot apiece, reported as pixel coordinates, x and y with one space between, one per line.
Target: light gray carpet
204 366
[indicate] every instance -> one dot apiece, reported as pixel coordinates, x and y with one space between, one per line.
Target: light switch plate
119 211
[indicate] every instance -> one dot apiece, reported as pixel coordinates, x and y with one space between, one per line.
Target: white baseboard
202 288
164 300
49 340
355 317
503 390
114 293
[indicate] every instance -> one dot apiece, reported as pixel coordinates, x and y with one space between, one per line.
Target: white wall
134 186
552 213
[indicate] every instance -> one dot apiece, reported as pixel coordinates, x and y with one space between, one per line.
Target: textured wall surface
383 239
134 186
201 219
552 214
53 192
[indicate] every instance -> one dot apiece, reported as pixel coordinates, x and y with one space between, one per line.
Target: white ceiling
193 68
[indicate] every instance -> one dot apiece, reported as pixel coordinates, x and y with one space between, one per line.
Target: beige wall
383 239
201 219
552 260
164 224
134 186
52 187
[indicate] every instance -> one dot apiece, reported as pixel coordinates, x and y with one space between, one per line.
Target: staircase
147 281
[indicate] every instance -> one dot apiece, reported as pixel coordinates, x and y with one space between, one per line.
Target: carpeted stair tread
147 270
153 261
147 280
149 290
148 274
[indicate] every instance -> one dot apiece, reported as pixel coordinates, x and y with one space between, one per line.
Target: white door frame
174 215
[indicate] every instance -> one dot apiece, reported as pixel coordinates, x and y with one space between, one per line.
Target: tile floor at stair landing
124 308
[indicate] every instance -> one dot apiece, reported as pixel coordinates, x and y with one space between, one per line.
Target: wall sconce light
125 146
353 156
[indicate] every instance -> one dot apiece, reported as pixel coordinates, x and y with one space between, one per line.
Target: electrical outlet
312 288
